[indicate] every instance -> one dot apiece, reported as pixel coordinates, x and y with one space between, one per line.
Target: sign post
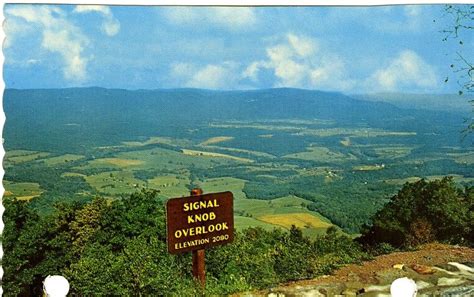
197 222
199 256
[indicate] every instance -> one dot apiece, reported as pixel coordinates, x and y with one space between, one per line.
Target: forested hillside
324 158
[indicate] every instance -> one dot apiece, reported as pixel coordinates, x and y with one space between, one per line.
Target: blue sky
347 49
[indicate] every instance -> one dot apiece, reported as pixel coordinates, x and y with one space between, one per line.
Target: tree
425 211
34 246
461 18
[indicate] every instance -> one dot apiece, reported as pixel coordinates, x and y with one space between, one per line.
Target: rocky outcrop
438 270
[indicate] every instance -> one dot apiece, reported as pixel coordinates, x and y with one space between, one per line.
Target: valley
302 167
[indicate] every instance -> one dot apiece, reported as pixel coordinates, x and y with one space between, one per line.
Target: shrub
422 212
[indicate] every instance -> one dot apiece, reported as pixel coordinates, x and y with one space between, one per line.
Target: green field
23 156
22 191
457 178
72 174
354 132
242 223
214 155
224 184
274 162
170 186
158 140
116 163
463 158
62 159
283 212
369 167
321 154
393 152
115 182
234 150
217 139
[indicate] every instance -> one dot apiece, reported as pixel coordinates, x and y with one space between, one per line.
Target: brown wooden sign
199 222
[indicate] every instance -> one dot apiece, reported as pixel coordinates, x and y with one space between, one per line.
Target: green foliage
119 248
422 212
34 246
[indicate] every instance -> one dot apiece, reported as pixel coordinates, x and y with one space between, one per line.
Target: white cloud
14 29
232 18
58 36
211 76
298 61
60 42
90 8
110 26
304 47
407 70
251 71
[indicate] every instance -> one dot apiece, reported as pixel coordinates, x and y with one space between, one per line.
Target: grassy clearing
463 158
121 162
319 171
17 153
216 155
22 191
291 125
457 178
115 182
254 153
393 152
223 184
270 166
321 154
303 122
159 158
73 174
258 126
62 159
22 156
368 167
217 139
286 205
352 132
241 223
400 181
345 142
293 209
170 186
300 220
159 140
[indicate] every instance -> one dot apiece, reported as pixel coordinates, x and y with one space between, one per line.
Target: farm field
456 177
217 139
22 156
115 182
170 186
23 191
53 161
309 172
215 155
321 154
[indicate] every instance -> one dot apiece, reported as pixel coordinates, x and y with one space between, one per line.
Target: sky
345 49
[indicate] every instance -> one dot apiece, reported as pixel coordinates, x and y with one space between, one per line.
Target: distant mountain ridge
436 102
104 116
